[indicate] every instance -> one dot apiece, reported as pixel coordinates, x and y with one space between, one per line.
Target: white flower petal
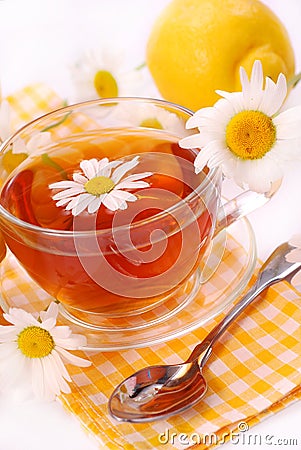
95 204
60 365
101 164
123 195
78 204
20 318
227 108
278 94
73 342
79 178
269 101
206 154
7 332
37 377
216 124
193 141
38 141
12 370
88 168
71 192
235 103
61 332
132 185
256 82
81 205
48 324
65 185
120 171
200 116
221 157
112 203
288 123
106 170
244 79
137 176
19 146
9 348
64 201
252 90
73 359
51 376
258 175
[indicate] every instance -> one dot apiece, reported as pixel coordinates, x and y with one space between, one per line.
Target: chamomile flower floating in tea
36 349
101 74
295 256
100 183
245 134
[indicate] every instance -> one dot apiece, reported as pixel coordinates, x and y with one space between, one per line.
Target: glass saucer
221 282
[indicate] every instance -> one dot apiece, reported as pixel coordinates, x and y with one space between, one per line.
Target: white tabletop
38 40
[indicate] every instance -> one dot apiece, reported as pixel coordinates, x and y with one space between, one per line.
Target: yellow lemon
198 46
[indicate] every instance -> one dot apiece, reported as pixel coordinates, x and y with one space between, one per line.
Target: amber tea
122 261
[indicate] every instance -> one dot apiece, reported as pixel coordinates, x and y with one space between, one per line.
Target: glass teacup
126 258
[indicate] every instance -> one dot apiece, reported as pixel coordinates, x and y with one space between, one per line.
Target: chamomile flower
19 150
101 75
36 349
100 183
35 144
294 256
245 133
148 116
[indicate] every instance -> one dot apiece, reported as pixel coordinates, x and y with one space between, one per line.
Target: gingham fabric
255 369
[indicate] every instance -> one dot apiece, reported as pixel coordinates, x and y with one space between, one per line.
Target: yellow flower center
105 84
250 134
151 123
99 185
35 342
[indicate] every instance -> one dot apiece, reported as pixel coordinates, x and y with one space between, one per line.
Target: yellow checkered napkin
254 371
255 368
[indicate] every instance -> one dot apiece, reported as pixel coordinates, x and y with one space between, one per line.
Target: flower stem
141 66
292 82
49 162
53 125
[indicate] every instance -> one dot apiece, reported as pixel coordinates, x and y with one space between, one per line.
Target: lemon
198 46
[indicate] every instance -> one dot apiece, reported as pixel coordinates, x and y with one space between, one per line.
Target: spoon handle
275 269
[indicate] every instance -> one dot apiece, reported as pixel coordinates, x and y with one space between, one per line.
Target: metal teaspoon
158 392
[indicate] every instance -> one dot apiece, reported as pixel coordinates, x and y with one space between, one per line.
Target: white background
38 41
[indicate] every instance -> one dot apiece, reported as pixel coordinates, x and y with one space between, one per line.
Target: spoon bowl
161 391
141 399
